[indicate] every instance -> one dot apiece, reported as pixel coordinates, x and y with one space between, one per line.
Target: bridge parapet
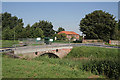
57 51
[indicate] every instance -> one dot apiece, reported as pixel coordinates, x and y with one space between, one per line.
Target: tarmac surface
53 45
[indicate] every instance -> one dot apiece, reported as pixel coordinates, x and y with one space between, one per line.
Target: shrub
110 68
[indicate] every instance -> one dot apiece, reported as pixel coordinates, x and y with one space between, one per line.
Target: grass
35 44
101 61
111 44
42 68
94 52
9 43
60 41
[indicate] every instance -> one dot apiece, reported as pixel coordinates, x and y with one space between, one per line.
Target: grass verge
9 43
42 68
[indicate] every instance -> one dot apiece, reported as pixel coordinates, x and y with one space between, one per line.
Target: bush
110 68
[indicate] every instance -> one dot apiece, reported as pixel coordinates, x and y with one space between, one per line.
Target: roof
68 32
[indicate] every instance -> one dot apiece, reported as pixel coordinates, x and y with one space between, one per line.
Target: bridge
54 50
51 51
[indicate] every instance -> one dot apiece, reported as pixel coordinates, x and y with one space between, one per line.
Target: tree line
12 28
96 25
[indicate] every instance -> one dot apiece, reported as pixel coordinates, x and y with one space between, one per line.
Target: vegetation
93 53
99 25
81 62
96 25
60 29
107 67
99 60
46 26
111 44
9 43
61 41
42 68
12 28
118 31
61 36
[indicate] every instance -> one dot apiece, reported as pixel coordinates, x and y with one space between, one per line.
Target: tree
60 29
0 26
26 31
7 34
61 36
98 25
117 31
119 25
10 21
34 32
38 33
18 31
0 21
13 25
46 27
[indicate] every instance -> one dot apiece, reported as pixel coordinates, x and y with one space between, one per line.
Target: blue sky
61 14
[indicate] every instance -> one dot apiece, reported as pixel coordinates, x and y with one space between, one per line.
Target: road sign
38 39
51 40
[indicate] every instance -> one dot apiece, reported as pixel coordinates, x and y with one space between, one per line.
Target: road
58 45
62 45
97 45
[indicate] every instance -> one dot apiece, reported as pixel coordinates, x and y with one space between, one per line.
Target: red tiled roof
68 32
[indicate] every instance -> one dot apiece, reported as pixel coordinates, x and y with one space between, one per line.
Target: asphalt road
66 45
61 45
97 45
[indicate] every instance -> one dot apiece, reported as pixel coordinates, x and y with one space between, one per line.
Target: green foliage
7 34
11 25
61 36
9 43
46 26
61 41
117 31
98 25
0 20
110 68
119 25
93 52
103 61
60 29
111 44
10 21
12 28
36 32
18 31
42 68
27 32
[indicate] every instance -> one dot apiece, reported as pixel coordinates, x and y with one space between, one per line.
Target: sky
59 0
61 14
